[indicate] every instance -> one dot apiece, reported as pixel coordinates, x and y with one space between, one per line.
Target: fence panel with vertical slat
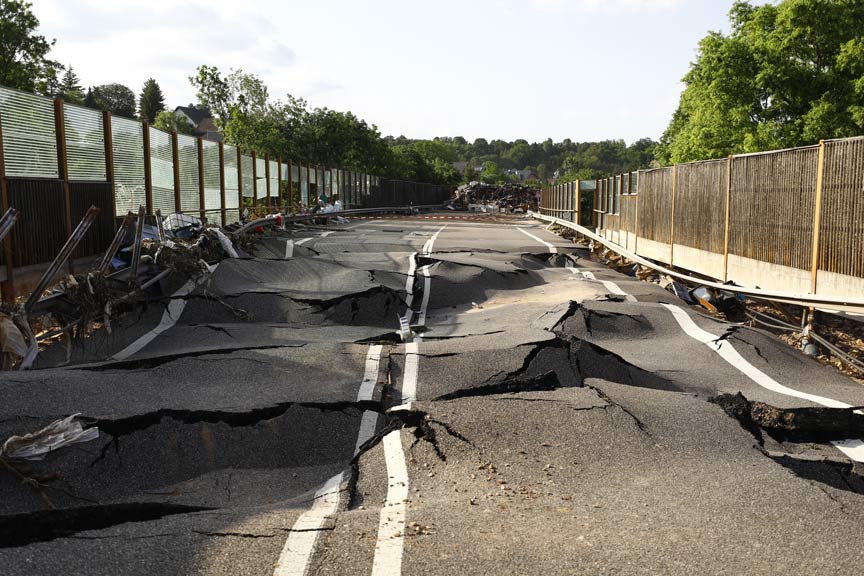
771 218
842 219
655 213
187 154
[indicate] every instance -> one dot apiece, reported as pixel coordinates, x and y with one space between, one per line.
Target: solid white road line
169 319
409 286
610 286
298 549
551 247
391 525
289 246
853 448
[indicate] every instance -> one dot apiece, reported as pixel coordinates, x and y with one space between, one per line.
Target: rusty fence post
175 155
202 201
279 185
108 139
239 183
290 186
222 204
636 216
8 285
148 174
267 180
254 182
63 165
817 216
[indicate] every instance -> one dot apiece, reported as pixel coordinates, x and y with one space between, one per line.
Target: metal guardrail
828 303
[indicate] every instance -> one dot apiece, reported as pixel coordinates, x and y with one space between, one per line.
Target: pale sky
508 69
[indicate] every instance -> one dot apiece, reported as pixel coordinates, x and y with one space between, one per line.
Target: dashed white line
551 247
169 319
610 286
298 549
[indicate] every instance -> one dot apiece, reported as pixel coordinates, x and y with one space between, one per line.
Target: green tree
469 174
23 53
787 74
115 98
168 121
70 89
151 101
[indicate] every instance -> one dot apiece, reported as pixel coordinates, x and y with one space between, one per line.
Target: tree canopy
23 53
167 120
115 98
787 74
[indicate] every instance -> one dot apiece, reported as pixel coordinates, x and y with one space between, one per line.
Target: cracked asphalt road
270 422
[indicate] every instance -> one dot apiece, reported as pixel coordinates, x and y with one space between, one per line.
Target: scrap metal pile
477 196
142 263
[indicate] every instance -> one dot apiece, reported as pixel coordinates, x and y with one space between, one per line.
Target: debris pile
477 196
142 263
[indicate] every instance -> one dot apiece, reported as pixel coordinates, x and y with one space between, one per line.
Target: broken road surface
549 416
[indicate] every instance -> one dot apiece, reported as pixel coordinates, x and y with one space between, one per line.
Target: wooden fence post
726 225
108 139
254 183
63 165
267 179
279 185
8 285
175 154
636 216
148 175
202 201
817 216
222 208
291 186
239 183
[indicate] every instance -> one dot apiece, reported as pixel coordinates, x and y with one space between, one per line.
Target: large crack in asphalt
45 525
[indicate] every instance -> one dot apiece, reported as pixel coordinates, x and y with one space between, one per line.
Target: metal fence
790 220
57 159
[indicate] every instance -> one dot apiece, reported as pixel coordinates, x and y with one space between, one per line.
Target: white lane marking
391 525
412 365
552 248
295 556
853 448
427 289
298 549
610 286
409 286
169 319
289 246
370 376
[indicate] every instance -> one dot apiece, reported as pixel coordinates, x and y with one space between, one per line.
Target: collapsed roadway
549 416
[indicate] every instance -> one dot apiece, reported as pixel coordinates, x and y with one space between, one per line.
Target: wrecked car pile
480 197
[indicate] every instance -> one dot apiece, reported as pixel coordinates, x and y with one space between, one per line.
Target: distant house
522 175
201 119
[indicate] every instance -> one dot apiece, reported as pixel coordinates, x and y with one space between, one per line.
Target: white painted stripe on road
853 448
427 248
412 365
169 319
298 549
295 556
289 246
610 286
409 286
391 525
427 289
370 376
551 247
